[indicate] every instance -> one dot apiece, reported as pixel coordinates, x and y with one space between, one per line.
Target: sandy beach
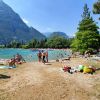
38 81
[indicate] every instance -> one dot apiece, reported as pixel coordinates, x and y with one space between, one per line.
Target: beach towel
7 67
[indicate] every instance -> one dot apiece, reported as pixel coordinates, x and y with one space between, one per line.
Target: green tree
57 42
35 44
13 44
87 37
42 43
96 7
32 43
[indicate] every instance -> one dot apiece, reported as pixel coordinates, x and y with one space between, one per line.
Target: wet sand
38 81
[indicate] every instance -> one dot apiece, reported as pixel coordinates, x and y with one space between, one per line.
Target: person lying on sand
89 69
80 68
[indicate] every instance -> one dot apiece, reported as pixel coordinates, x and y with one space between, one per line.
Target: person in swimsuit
43 56
39 56
46 55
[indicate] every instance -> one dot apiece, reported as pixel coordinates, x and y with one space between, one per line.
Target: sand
38 81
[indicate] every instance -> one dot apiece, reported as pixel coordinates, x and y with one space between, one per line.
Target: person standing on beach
46 54
43 56
39 56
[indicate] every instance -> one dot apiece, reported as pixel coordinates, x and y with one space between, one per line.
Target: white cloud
25 20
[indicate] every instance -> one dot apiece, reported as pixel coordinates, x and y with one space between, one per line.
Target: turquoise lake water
31 55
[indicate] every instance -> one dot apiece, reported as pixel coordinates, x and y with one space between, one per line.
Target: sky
52 15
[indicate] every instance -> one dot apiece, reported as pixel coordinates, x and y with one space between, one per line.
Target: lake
31 55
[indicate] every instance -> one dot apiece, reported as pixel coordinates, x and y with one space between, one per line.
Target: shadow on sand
4 76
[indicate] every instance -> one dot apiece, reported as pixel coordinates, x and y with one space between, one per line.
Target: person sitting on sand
12 62
39 56
19 59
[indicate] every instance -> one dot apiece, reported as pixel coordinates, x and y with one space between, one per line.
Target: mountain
62 34
12 26
47 34
37 35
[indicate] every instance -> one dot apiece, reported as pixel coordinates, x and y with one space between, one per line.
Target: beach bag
87 70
